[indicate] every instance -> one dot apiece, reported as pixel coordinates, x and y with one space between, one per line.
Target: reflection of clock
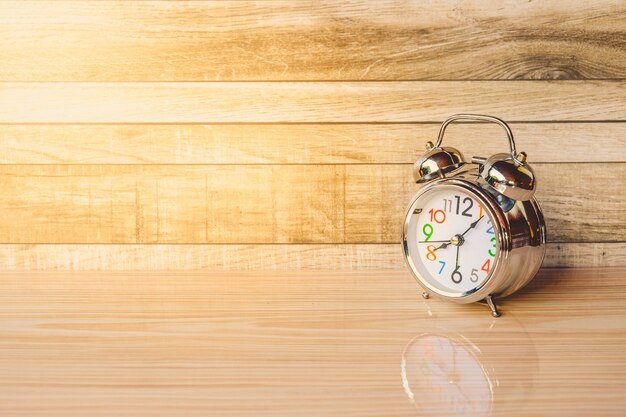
444 376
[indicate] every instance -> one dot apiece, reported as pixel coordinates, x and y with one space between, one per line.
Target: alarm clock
474 231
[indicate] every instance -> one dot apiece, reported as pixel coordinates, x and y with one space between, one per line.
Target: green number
428 231
493 239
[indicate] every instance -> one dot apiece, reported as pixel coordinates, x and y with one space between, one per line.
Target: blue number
443 264
490 230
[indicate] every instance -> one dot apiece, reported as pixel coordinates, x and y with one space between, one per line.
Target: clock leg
425 295
491 302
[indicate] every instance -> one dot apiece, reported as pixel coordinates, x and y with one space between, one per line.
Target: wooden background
165 135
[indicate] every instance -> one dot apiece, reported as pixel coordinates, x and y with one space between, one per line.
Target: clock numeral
480 211
471 204
474 275
428 231
431 255
447 205
493 239
486 266
456 276
490 230
467 210
443 265
438 216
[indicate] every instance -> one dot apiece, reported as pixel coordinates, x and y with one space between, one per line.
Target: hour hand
443 245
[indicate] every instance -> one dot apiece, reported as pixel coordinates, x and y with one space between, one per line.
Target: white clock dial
454 239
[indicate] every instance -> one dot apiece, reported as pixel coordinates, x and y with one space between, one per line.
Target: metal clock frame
520 229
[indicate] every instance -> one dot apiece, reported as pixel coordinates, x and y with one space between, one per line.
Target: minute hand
472 226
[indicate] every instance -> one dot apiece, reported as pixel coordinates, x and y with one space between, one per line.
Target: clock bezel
493 282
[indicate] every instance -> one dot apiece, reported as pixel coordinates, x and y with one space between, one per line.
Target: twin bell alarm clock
473 231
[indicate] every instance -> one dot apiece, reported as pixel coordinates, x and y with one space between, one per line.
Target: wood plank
279 257
234 102
271 40
135 204
266 204
306 344
574 199
299 143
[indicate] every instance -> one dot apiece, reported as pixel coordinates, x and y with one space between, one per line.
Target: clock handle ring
482 118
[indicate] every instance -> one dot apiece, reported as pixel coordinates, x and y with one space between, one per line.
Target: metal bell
509 175
436 162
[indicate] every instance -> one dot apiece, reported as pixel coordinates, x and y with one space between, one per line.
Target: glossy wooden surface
307 344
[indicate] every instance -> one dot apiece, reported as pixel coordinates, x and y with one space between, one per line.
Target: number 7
443 265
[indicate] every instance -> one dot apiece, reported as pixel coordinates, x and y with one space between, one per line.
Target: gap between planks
186 257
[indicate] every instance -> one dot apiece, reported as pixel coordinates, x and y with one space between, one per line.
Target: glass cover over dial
451 239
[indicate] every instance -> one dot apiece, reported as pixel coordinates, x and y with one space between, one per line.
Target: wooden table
307 344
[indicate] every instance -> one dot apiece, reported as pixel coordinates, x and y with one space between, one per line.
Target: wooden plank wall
280 135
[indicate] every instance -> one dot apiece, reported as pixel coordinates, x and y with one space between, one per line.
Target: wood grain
574 201
299 143
234 102
306 344
265 203
204 204
266 257
248 126
310 40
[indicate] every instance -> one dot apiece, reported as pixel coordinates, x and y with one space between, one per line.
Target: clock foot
491 302
425 295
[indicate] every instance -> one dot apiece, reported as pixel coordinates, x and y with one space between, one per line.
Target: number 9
428 231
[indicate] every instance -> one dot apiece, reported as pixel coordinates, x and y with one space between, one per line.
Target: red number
486 266
431 255
480 211
439 216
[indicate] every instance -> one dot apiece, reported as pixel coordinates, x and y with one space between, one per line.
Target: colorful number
486 266
480 211
431 255
428 233
493 239
437 215
443 265
490 230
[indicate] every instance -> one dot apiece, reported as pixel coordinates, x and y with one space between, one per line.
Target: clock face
452 240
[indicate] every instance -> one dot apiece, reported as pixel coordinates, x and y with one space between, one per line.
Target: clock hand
473 225
442 246
444 243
